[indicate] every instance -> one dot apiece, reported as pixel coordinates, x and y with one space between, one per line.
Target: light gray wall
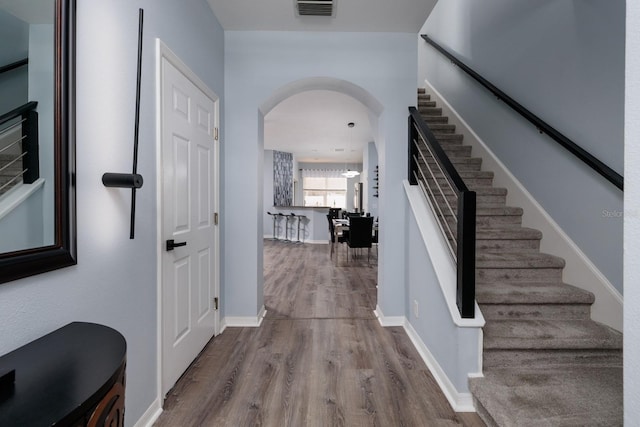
632 218
41 72
115 281
22 227
14 46
260 63
565 62
455 349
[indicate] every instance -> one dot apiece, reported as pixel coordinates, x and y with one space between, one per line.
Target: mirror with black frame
37 129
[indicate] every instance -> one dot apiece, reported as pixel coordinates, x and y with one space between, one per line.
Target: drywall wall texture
565 62
381 67
455 349
115 281
632 217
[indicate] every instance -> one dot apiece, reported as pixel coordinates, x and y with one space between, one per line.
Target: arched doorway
329 94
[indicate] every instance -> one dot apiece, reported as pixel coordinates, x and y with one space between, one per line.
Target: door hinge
215 133
215 303
216 218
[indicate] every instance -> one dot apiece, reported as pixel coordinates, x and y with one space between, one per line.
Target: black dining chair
332 234
360 234
334 212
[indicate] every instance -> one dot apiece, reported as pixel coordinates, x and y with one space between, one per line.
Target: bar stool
286 227
274 216
300 218
280 215
293 217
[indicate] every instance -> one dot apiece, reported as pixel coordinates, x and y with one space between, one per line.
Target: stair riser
517 275
435 119
430 111
444 138
487 222
499 246
547 358
425 103
457 150
481 200
463 164
536 311
471 183
442 129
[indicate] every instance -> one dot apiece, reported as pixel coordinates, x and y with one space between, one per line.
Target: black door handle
171 244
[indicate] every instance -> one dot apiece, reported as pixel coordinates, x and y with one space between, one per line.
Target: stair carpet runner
545 362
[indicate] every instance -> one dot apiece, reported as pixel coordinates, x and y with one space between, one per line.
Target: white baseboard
460 402
243 322
579 270
150 415
388 321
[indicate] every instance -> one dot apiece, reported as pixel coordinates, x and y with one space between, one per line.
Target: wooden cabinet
74 376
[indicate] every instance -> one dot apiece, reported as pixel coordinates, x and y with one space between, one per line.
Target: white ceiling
402 16
313 124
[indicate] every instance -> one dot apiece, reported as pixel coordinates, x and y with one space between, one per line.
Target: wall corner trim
388 321
244 321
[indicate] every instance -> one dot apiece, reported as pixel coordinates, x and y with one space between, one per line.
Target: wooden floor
320 357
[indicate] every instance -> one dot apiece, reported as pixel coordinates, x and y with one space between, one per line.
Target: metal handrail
17 112
542 126
14 65
23 119
465 214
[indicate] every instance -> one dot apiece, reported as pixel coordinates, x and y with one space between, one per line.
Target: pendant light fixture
349 173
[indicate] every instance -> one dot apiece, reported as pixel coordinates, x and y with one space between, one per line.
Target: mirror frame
29 262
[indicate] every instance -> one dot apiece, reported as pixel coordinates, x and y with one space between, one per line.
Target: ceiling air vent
315 7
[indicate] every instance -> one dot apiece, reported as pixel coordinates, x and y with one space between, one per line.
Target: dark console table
74 376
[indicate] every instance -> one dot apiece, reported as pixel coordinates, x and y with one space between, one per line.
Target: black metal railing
451 201
19 160
14 65
542 126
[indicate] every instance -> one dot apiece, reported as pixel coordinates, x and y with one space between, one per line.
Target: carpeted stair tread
449 137
442 128
430 111
518 260
507 233
532 293
480 191
550 334
570 396
436 119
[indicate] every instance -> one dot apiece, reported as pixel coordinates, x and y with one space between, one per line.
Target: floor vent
315 7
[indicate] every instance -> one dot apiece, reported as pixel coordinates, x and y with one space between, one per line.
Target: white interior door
189 289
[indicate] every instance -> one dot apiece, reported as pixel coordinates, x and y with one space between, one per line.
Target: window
327 191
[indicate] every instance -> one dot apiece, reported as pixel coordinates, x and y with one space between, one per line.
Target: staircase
545 362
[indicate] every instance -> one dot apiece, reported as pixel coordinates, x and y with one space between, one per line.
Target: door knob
171 244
